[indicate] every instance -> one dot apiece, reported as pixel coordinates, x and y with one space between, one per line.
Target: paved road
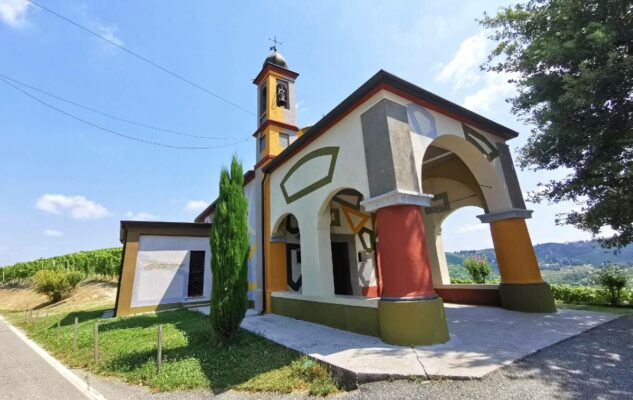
597 364
25 375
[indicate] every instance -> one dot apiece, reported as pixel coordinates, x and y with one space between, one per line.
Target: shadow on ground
595 364
223 366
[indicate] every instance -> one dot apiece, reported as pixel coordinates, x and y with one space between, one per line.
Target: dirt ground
88 294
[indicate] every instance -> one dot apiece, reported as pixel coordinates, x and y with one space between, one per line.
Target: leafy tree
613 280
229 250
478 267
572 63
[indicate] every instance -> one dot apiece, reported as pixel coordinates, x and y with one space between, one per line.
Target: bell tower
276 107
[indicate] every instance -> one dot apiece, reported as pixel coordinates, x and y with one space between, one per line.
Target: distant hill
554 256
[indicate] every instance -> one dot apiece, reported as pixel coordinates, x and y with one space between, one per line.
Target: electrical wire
105 114
92 124
143 58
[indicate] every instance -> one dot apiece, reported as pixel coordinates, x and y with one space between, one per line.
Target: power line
94 110
145 59
113 131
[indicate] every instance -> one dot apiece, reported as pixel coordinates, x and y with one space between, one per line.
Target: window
262 100
284 140
196 274
262 142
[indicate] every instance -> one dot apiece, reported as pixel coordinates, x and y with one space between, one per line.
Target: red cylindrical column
404 259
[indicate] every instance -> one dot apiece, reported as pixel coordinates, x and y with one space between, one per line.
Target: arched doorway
287 231
459 176
353 244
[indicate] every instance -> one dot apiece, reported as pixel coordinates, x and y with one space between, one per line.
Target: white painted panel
162 269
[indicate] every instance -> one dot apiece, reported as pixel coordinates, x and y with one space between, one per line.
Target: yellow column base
412 322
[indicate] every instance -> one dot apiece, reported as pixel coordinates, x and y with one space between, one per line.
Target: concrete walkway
483 339
24 374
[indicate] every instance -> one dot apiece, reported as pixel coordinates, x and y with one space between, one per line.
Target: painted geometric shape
252 251
292 226
480 142
367 238
421 121
311 172
293 266
355 219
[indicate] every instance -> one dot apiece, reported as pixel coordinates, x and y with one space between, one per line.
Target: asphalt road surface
25 375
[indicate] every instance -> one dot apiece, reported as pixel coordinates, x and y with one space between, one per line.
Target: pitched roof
387 81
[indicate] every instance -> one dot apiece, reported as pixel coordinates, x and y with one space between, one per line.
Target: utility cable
105 114
59 110
140 57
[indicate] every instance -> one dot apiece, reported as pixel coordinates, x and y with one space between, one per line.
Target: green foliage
584 295
316 374
478 267
613 280
229 252
104 263
190 359
572 63
56 284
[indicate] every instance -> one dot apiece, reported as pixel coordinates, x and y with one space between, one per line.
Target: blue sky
66 185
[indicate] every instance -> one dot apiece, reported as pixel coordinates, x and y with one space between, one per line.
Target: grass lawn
626 311
191 356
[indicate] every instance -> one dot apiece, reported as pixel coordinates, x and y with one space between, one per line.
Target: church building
345 216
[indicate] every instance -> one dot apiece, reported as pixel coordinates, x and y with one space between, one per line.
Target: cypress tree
229 254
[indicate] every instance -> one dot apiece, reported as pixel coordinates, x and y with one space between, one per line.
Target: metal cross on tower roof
275 43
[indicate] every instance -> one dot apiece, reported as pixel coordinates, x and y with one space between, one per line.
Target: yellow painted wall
515 254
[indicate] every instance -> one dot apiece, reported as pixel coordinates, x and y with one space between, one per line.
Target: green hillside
571 263
103 262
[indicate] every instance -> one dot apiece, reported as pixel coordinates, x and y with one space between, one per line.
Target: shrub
478 267
457 280
56 284
316 374
229 254
613 280
577 294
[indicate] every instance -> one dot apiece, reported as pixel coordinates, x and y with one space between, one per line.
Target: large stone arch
452 157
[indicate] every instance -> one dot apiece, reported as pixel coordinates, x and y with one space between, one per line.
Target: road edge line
75 380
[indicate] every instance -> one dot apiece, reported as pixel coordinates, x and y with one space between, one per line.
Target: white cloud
77 207
53 232
110 32
141 216
463 70
471 228
496 87
13 12
196 205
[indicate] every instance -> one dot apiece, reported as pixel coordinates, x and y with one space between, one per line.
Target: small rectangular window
196 274
262 100
284 140
262 143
